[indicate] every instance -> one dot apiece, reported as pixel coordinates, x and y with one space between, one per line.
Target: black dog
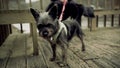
73 10
57 33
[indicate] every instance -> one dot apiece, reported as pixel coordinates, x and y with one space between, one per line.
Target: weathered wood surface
102 51
106 12
19 17
16 16
103 13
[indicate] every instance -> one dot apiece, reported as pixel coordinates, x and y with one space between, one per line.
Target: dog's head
46 25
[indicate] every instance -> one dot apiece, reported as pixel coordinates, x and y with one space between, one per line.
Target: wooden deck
102 51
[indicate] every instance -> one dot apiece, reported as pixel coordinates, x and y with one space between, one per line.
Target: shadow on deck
102 51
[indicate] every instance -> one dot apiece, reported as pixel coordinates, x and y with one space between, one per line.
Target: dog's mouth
45 34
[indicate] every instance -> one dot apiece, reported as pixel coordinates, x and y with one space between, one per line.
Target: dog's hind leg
80 35
83 45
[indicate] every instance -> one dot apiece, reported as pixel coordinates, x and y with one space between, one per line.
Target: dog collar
62 27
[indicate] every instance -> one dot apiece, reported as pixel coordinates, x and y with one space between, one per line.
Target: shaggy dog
58 33
72 9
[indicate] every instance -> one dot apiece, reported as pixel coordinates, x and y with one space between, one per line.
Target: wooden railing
20 17
104 13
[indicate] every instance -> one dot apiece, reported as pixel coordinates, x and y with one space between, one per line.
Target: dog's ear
35 14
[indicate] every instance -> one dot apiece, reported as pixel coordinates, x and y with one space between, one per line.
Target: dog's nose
45 33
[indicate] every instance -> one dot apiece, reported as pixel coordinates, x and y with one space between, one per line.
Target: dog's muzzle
45 33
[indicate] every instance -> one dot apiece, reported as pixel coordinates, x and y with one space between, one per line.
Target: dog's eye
49 25
40 26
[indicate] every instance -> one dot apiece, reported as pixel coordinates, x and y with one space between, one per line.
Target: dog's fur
49 28
73 10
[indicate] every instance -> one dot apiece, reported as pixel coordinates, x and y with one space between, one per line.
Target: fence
104 14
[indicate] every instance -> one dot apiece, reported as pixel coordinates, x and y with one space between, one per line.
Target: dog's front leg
64 56
54 52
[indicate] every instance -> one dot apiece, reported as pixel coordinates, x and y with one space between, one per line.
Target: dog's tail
88 12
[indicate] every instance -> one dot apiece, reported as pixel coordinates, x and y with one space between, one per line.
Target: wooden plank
90 23
6 50
97 21
105 19
89 54
19 45
7 46
21 28
17 59
112 20
45 49
106 12
12 16
109 53
102 64
20 16
34 38
93 27
10 28
92 64
105 3
119 19
34 61
76 61
103 55
17 62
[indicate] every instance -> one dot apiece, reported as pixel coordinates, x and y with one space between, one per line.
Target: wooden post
97 18
30 24
80 1
10 28
21 27
93 24
0 4
112 3
34 38
119 19
105 20
8 32
112 20
88 22
41 4
88 2
0 36
105 4
30 3
97 3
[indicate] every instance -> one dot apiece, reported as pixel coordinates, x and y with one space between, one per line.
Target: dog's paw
83 49
52 59
61 64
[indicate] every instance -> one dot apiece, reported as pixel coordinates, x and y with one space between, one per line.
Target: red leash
63 9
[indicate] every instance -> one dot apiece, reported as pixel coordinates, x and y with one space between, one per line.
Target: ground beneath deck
102 51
